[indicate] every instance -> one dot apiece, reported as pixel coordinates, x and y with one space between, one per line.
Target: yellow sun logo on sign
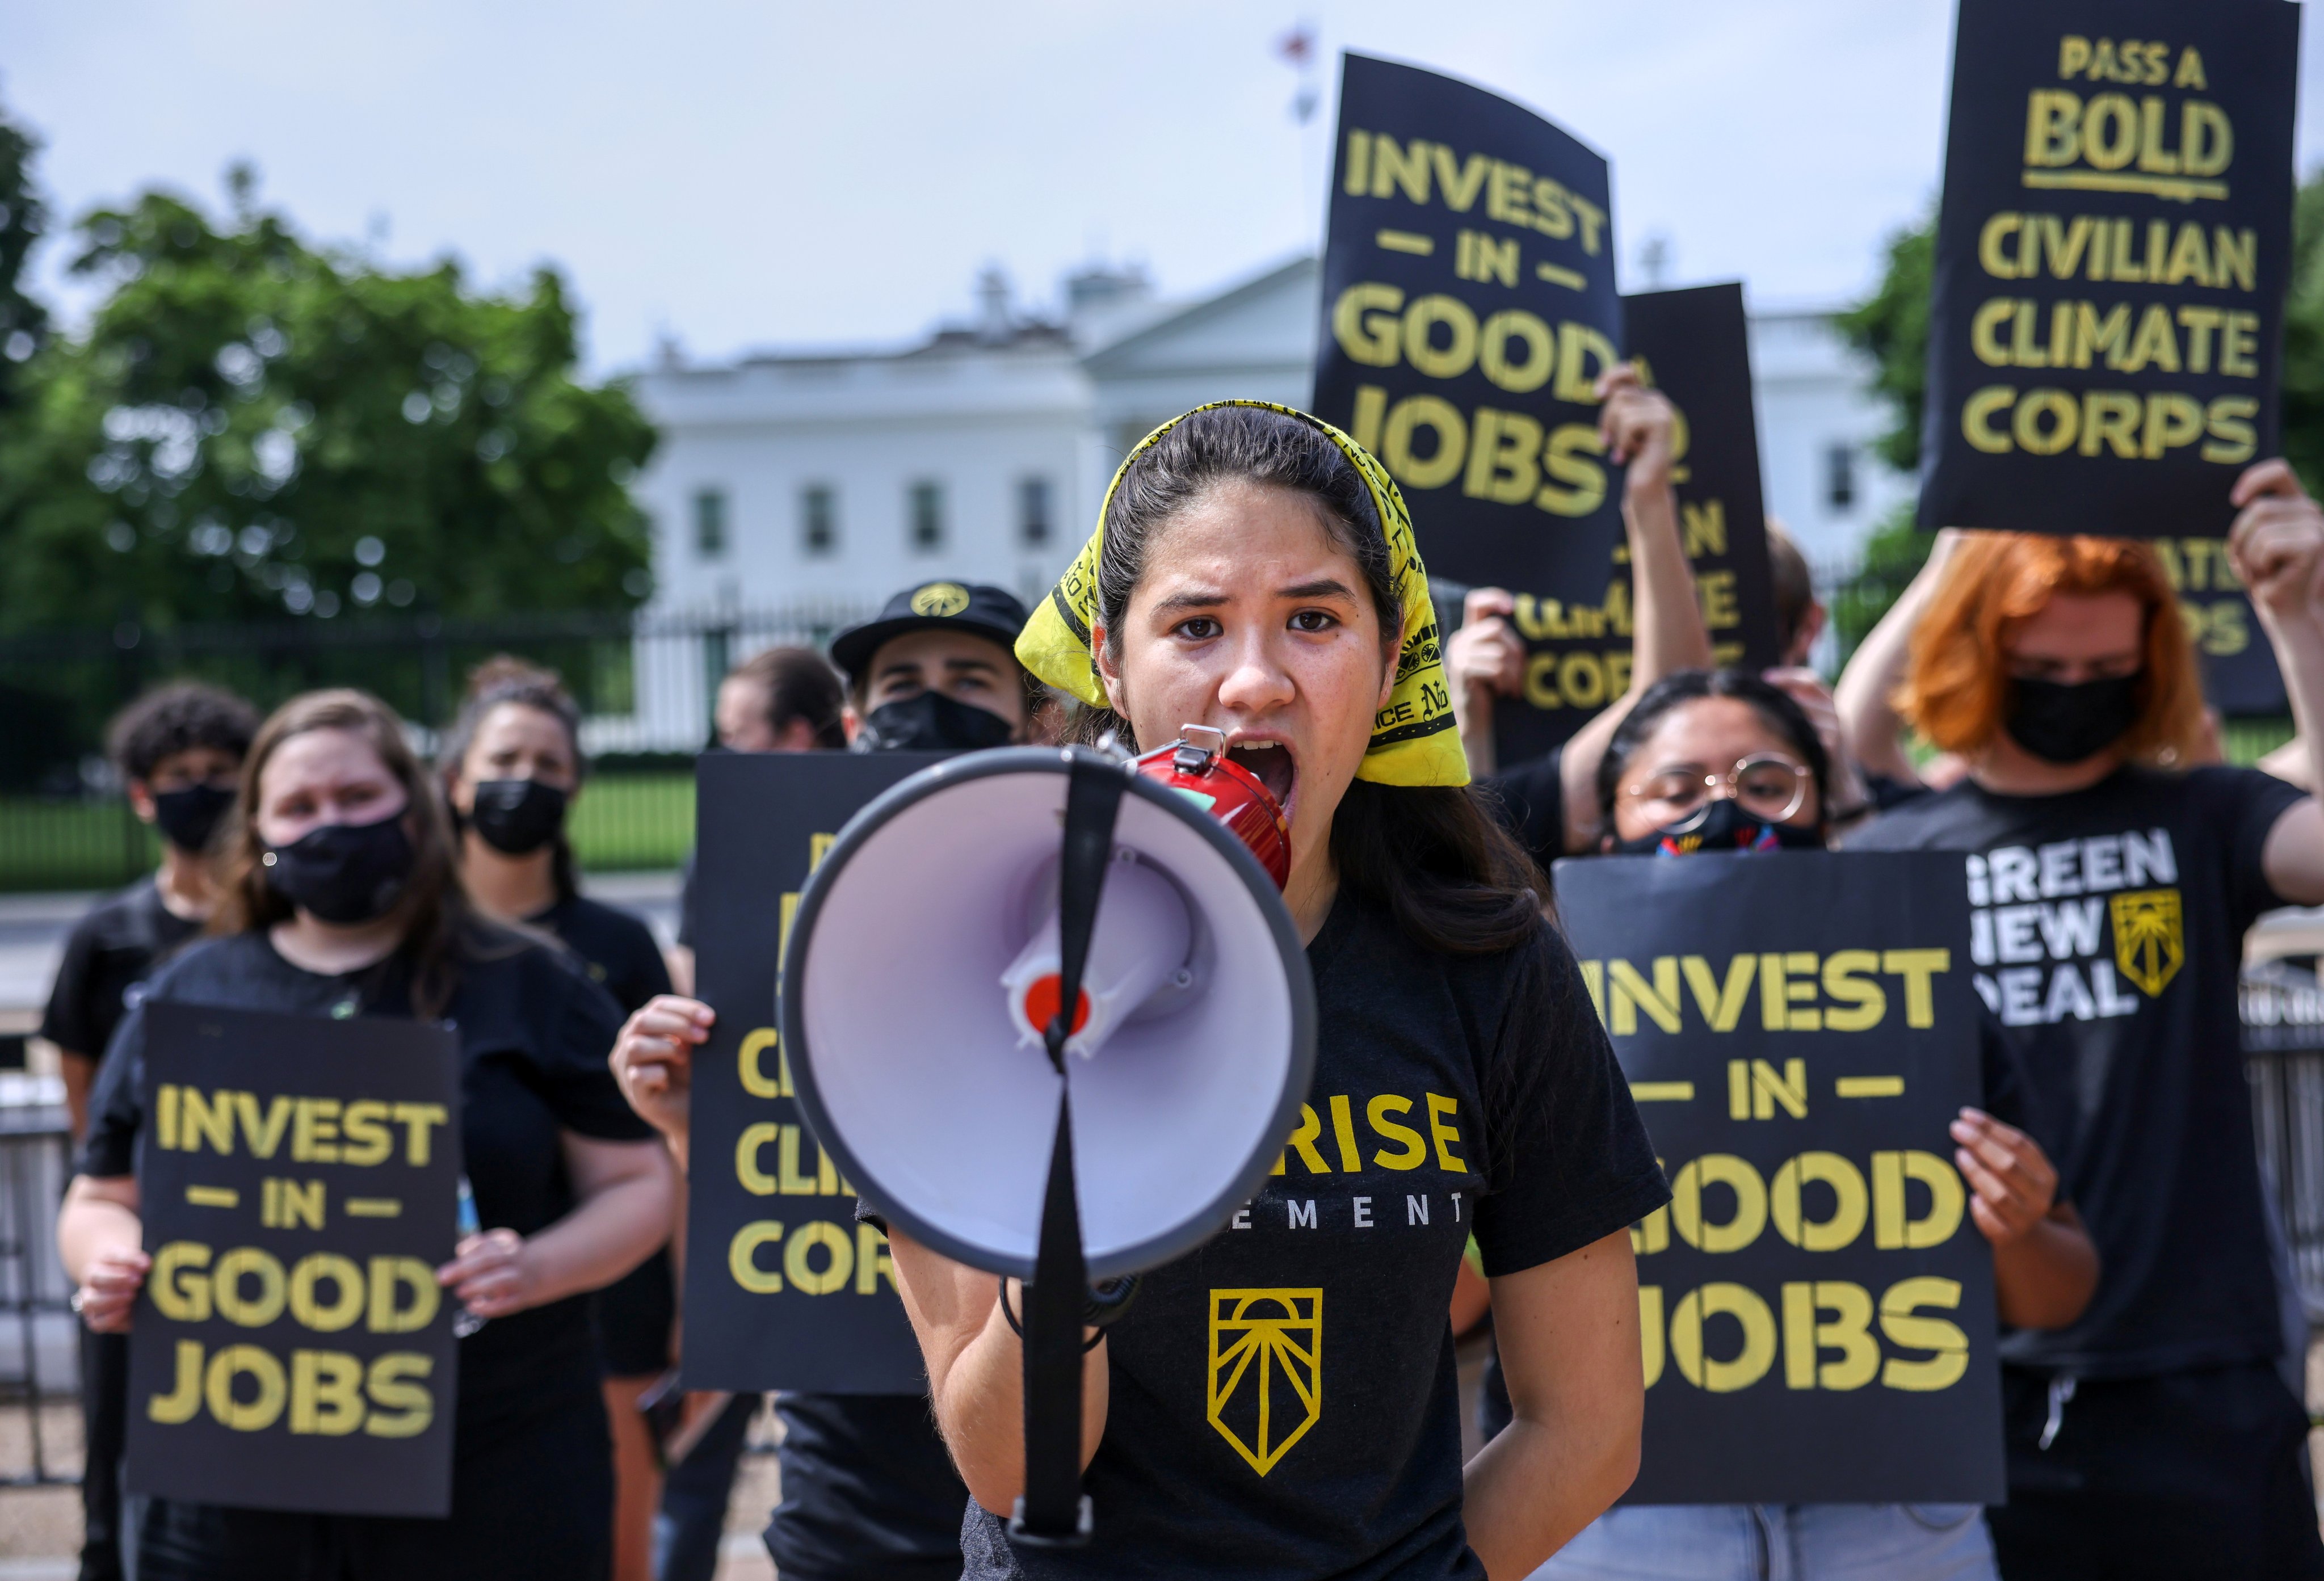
940 599
2150 937
1267 1370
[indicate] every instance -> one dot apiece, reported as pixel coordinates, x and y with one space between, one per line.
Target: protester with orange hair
2110 884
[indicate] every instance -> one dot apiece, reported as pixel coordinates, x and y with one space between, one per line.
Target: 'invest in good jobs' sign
1469 307
298 1179
784 1289
1816 1304
2110 265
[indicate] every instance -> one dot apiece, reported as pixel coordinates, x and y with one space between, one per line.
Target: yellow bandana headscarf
1413 738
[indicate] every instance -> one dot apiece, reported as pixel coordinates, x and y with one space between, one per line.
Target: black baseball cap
976 608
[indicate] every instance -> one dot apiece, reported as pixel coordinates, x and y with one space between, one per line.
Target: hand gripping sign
1816 1304
299 1181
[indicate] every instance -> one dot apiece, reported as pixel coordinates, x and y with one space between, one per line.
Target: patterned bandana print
1412 740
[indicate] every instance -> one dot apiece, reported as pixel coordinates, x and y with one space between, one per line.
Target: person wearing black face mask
869 1489
937 672
1712 762
178 751
2112 875
512 766
339 896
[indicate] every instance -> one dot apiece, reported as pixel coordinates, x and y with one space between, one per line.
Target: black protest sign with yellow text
1469 307
1816 1304
784 1289
1693 345
299 1181
2111 258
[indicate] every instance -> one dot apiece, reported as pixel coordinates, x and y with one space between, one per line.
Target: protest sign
299 1181
2239 675
1468 307
1816 1304
784 1289
2111 258
1695 346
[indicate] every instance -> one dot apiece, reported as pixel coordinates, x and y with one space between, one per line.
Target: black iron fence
645 683
2284 1060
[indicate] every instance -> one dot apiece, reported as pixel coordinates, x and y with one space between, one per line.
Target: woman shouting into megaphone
1281 1401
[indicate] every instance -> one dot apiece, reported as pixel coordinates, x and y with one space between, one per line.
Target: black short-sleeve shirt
1283 1400
110 950
617 949
534 1033
2106 929
1530 798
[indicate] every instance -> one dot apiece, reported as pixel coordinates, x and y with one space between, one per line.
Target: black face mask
344 873
2061 723
517 816
1725 827
187 817
932 723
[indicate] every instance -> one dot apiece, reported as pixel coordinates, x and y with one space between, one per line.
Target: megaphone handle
1053 1511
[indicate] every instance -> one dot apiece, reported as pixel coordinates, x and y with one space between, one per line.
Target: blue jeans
1779 1542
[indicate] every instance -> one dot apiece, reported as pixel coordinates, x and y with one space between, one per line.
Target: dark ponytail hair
1772 704
505 678
1434 858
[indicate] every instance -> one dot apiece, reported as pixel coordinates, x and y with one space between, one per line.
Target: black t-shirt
534 1035
616 949
2106 928
1530 799
868 1491
109 951
1284 1400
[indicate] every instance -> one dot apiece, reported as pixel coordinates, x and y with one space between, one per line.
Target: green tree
1892 326
23 322
251 425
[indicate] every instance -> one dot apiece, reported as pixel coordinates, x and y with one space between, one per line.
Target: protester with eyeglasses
2112 885
1722 761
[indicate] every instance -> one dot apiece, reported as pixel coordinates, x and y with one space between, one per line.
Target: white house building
805 487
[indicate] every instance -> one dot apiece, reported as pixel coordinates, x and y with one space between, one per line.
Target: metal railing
2284 1062
40 1354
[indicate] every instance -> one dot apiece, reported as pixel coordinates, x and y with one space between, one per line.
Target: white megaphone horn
931 961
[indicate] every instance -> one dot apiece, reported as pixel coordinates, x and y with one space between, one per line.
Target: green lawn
623 823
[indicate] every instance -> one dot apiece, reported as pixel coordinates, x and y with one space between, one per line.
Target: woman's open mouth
1272 765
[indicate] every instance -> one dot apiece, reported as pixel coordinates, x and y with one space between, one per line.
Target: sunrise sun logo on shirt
2150 937
1267 1367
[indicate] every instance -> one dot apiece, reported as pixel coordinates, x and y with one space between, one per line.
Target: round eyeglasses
1678 797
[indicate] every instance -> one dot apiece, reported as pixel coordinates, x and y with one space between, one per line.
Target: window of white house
927 524
710 523
1839 477
1033 510
818 519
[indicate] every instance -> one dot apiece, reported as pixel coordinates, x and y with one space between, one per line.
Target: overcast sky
743 175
